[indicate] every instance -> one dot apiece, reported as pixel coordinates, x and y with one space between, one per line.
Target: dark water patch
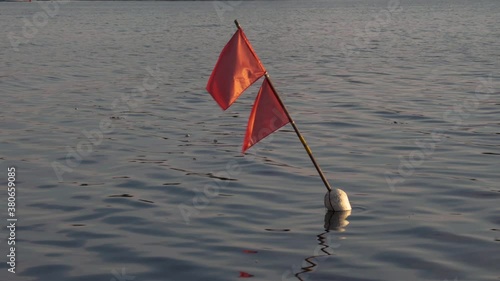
126 195
64 244
159 175
104 276
359 208
479 194
143 161
32 227
146 201
56 207
209 175
340 124
161 266
225 195
117 220
490 153
347 105
82 197
495 219
52 272
278 164
90 184
358 82
112 253
54 254
402 123
149 231
132 184
124 201
88 162
98 213
213 176
362 194
47 186
337 276
171 189
86 235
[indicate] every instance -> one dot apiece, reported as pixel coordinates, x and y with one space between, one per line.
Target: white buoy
336 200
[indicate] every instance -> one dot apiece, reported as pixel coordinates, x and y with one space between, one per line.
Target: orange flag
238 67
266 117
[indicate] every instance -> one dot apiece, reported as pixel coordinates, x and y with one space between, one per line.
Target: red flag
266 117
238 67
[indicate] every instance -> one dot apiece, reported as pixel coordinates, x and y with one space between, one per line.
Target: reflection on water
336 221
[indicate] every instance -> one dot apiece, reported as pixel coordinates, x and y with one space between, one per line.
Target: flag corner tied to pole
267 116
237 68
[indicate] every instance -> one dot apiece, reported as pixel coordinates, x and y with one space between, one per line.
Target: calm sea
128 170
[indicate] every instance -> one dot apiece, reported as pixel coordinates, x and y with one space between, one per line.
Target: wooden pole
302 140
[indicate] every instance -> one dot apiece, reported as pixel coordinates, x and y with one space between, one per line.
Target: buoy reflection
334 221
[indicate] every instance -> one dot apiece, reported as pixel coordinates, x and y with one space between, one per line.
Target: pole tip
237 23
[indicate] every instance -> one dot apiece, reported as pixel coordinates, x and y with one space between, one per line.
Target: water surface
399 102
